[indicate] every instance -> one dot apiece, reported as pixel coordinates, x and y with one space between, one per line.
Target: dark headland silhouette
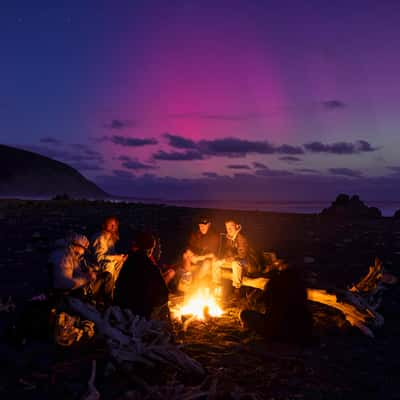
27 174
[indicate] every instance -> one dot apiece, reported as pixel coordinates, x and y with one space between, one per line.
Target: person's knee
106 277
236 265
245 317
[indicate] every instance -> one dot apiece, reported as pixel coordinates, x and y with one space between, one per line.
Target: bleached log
134 339
7 306
358 304
92 393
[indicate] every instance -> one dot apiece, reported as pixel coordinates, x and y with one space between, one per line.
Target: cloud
259 165
176 156
395 169
137 165
340 148
230 146
307 170
210 174
123 174
78 156
238 166
235 147
82 166
345 172
273 172
364 146
290 159
119 124
288 149
333 104
270 187
240 190
50 140
130 142
180 142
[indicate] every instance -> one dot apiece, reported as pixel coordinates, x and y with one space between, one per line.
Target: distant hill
23 173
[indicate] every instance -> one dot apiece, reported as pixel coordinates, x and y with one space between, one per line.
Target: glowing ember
200 305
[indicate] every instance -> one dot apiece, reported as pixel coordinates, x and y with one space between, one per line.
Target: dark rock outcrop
27 174
352 207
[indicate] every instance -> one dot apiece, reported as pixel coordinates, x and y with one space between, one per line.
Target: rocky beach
334 248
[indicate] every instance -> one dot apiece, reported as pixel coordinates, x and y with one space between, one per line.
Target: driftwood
92 393
358 304
8 306
134 340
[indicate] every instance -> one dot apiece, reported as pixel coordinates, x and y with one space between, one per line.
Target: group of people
208 254
94 271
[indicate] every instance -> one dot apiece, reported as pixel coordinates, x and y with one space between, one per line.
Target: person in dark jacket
288 317
201 250
140 285
236 255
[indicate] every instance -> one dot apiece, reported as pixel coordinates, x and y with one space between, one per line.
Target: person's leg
254 321
204 269
103 288
237 274
216 274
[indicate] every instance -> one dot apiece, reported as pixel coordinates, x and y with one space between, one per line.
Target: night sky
255 100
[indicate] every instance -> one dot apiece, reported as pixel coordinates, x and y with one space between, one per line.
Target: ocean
301 207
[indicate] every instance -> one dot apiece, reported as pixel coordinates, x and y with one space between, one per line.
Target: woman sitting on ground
140 285
288 317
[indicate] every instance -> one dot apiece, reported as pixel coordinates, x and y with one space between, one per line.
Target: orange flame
200 305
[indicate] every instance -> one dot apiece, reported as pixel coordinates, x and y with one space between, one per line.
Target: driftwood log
358 304
134 340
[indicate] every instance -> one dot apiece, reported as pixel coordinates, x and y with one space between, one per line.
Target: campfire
200 305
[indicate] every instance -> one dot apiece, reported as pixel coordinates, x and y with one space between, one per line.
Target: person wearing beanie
140 286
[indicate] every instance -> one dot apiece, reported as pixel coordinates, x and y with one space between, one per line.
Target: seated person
69 277
103 248
236 255
140 285
167 273
202 249
288 317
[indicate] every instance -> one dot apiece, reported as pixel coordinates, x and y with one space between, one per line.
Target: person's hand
220 262
92 276
122 257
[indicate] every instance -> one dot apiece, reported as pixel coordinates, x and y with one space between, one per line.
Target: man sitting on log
103 248
140 285
236 255
201 250
287 317
68 276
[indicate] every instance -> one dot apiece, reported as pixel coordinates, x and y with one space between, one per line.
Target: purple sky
208 99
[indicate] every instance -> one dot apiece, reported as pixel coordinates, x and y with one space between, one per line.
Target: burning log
133 339
358 304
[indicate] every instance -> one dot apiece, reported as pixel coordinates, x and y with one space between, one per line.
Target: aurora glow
154 87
